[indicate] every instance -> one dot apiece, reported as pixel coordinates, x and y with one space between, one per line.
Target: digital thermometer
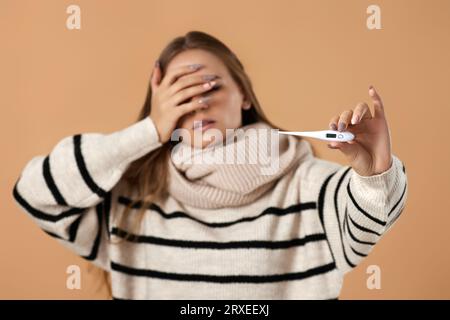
328 135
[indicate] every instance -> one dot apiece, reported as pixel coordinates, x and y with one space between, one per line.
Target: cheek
229 103
234 104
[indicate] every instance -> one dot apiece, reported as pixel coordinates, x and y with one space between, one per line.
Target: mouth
203 124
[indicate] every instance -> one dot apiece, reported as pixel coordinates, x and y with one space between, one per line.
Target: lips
201 123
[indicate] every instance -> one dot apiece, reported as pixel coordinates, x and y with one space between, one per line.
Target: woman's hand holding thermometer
369 150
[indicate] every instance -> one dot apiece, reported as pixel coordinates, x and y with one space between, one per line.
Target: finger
194 105
349 150
334 145
334 123
344 120
189 81
190 92
175 73
361 112
378 104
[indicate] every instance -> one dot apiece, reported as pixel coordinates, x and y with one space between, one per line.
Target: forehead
212 64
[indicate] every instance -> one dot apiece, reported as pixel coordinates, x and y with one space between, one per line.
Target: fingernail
208 77
157 64
333 127
209 84
204 99
355 119
341 126
195 66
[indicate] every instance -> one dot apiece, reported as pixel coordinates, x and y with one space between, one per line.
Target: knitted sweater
295 241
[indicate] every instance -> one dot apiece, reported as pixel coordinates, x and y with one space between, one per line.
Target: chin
199 138
204 143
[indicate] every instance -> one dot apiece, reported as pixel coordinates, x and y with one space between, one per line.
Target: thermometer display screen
331 135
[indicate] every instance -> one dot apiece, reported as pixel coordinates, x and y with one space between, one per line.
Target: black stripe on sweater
42 215
51 183
349 244
398 202
249 244
72 231
73 228
378 221
349 230
336 209
93 255
107 209
321 201
223 278
53 235
297 208
360 227
391 222
83 168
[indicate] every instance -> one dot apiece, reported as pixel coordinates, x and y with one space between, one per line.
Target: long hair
148 175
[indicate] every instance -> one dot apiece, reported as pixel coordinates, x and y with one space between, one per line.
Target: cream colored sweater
295 241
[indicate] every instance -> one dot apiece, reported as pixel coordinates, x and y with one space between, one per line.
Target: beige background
308 60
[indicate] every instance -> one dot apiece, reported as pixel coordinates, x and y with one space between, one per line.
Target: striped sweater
296 241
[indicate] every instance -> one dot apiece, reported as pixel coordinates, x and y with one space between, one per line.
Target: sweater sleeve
356 211
68 192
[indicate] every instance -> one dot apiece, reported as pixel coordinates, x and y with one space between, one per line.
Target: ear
246 105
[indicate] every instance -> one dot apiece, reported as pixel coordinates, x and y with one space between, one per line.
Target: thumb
377 102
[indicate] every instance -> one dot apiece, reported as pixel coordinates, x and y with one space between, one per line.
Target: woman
166 229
